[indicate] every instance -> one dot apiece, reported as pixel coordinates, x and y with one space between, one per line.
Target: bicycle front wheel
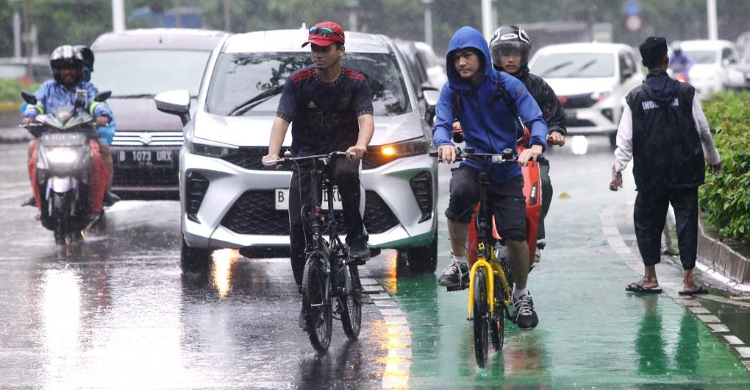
318 315
351 306
497 321
481 317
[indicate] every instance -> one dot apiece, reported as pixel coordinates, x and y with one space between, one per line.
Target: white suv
230 201
590 80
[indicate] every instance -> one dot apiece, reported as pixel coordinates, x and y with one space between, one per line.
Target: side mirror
626 75
175 103
28 98
431 98
427 86
728 61
102 96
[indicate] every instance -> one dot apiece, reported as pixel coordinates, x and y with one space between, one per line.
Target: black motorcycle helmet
66 56
507 40
88 61
88 56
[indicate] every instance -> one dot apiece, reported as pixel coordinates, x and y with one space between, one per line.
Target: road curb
692 304
724 259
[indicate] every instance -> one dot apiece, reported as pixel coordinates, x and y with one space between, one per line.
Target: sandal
638 288
699 291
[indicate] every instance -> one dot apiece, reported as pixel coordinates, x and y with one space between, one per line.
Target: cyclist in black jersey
330 109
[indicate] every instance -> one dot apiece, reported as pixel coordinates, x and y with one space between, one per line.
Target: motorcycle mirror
102 96
28 98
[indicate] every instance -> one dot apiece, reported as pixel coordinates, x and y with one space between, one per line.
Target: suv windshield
574 65
241 77
145 73
702 56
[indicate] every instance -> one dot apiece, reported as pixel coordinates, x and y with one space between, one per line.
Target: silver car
230 201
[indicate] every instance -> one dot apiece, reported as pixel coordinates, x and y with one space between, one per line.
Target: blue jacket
487 123
51 95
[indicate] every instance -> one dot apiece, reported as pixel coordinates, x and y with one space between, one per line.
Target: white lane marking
15 184
734 340
380 296
747 364
744 351
15 194
395 320
384 303
699 310
404 353
372 289
398 330
718 328
690 302
392 312
395 382
708 318
369 282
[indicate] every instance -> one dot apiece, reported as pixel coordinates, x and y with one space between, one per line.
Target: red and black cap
325 34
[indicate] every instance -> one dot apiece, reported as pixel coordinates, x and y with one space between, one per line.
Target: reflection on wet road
117 312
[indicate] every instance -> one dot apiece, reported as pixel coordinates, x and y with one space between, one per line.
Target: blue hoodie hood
485 111
468 38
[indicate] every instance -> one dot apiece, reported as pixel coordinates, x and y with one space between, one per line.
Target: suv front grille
145 177
249 158
255 213
577 101
144 138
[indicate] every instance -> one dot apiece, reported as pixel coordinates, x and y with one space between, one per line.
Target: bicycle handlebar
290 160
507 156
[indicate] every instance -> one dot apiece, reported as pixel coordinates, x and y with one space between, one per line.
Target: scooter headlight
61 155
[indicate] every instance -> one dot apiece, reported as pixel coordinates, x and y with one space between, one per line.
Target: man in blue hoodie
480 98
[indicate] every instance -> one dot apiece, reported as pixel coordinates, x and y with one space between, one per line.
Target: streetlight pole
713 29
118 15
427 21
487 19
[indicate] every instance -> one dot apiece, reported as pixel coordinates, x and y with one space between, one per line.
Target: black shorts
507 202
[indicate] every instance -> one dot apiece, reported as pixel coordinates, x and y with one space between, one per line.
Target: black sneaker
359 251
31 201
525 316
454 275
110 199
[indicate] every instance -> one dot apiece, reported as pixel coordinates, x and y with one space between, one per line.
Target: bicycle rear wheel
351 306
318 315
497 321
481 318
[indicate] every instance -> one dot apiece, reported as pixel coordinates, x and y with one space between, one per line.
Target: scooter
532 191
64 167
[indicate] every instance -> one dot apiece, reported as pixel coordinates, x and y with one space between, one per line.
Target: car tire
194 259
421 259
613 141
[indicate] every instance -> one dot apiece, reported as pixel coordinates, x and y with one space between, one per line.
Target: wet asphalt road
117 311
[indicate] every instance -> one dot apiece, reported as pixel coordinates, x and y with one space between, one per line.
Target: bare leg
649 277
687 281
518 256
459 234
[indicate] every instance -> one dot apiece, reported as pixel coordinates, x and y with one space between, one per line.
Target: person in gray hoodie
487 102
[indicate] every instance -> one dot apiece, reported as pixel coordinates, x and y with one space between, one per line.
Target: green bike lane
592 334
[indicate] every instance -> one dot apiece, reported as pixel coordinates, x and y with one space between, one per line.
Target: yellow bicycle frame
492 267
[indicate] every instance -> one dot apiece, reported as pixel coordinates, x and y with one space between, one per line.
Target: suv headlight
383 154
601 96
209 149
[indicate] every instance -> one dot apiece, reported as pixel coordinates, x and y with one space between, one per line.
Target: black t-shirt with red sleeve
324 115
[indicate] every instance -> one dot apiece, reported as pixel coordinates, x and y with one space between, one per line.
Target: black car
136 65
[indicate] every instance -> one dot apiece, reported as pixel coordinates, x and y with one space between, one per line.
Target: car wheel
421 259
194 259
613 141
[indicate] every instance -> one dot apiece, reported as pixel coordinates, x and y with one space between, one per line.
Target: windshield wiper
256 100
134 96
556 67
586 65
